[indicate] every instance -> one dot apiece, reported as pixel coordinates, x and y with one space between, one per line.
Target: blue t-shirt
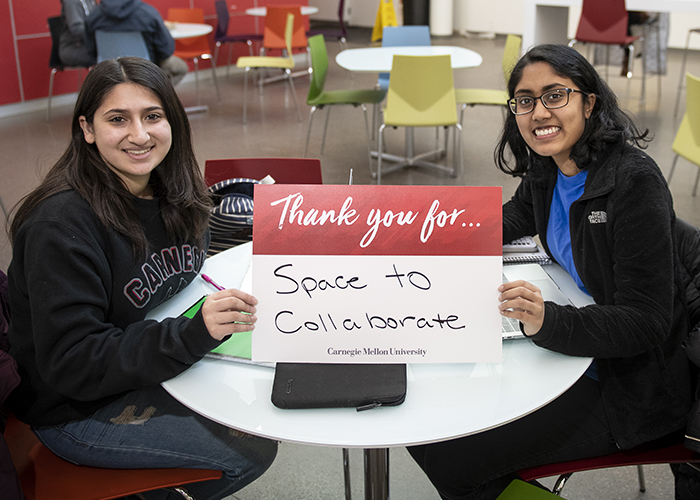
566 191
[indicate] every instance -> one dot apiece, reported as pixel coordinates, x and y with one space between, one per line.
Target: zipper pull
374 404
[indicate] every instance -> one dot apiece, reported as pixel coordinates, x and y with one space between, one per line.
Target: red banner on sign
376 220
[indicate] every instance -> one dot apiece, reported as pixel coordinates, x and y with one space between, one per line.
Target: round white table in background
306 10
188 30
379 59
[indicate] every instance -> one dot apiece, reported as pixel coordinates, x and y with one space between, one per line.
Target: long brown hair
177 182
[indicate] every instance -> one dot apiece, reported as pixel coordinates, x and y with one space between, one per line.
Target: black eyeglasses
552 99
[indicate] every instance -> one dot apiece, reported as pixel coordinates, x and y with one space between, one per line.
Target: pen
212 282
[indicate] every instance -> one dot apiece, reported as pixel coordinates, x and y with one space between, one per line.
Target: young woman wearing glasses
603 211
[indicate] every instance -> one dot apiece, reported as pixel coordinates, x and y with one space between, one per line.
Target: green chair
687 141
421 94
520 490
319 98
491 97
284 63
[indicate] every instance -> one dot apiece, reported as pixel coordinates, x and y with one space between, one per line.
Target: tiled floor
29 145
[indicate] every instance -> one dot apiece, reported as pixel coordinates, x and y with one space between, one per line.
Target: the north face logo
598 217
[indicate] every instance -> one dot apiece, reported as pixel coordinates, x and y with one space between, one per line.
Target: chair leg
182 492
379 153
681 80
346 473
48 111
325 129
308 131
559 483
458 155
245 93
196 78
673 166
228 60
294 94
216 82
2 206
369 142
643 97
658 62
642 482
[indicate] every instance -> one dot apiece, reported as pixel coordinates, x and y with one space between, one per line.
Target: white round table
306 10
442 401
379 59
188 30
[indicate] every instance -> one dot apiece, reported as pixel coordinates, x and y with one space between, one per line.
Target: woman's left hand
523 301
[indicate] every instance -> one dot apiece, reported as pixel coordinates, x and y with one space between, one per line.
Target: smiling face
131 133
552 132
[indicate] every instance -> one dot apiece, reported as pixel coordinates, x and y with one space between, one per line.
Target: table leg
376 473
197 109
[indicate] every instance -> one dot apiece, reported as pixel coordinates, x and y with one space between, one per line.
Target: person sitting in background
71 49
134 15
603 211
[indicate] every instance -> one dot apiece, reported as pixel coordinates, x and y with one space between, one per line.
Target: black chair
114 44
221 35
55 27
340 33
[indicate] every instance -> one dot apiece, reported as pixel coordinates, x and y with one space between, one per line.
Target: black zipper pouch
329 385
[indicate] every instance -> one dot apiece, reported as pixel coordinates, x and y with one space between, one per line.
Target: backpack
231 219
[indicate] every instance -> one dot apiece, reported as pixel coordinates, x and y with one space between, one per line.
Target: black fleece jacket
622 239
79 299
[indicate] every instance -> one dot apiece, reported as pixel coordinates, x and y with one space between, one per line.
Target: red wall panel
26 46
30 16
9 83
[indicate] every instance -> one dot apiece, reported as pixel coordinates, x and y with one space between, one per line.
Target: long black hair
177 182
607 123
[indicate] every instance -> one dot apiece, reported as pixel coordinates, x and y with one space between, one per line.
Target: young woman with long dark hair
603 211
119 225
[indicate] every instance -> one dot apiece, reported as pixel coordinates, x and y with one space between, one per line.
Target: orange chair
283 170
275 23
667 453
195 48
45 476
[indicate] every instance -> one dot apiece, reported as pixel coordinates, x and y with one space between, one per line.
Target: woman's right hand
229 311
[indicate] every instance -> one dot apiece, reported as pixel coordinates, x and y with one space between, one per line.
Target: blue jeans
150 429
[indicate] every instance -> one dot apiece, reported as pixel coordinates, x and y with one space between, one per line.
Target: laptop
535 274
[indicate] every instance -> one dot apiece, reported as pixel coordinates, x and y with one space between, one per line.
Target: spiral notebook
524 251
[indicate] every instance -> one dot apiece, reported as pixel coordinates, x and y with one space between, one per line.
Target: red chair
642 455
283 170
195 48
606 22
45 476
